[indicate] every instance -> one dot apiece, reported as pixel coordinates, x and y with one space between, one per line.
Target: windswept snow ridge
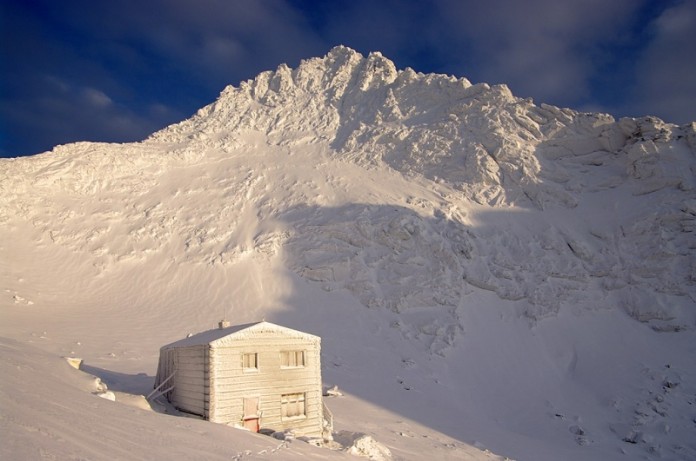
437 204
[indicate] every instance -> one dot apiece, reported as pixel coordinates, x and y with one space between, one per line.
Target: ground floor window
292 405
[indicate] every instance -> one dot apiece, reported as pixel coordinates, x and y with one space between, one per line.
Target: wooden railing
328 420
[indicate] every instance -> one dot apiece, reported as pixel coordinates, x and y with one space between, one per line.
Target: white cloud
547 49
96 97
161 111
219 49
666 70
218 42
57 83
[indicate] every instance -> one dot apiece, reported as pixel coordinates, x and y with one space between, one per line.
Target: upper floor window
250 361
292 359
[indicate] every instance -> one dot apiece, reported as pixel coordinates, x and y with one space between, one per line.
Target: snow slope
485 273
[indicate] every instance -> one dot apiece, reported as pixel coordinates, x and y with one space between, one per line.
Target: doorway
251 414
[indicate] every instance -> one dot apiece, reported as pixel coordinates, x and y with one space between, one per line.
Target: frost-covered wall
189 369
230 384
217 374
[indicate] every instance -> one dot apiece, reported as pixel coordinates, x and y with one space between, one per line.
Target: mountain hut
257 376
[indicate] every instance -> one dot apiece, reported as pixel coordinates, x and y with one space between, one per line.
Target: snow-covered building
257 375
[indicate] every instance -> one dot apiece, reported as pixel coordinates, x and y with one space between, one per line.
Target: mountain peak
342 51
481 139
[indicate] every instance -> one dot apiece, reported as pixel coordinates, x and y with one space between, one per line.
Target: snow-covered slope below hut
500 274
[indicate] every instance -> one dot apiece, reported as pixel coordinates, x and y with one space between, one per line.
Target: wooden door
251 414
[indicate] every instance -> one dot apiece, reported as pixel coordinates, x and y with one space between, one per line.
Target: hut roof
221 336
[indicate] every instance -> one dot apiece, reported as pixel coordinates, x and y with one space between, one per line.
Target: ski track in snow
497 274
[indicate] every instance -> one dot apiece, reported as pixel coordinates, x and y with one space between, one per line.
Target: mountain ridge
477 144
493 136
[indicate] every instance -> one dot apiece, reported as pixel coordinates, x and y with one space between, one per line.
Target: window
292 359
292 406
250 362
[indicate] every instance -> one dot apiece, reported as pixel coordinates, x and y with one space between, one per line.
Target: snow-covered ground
490 278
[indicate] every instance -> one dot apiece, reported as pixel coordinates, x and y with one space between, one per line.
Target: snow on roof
220 336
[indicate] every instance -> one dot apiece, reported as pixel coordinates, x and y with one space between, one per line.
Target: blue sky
76 70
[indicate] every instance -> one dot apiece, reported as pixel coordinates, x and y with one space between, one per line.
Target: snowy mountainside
629 184
488 146
346 188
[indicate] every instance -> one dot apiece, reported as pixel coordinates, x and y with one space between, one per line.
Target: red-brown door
251 413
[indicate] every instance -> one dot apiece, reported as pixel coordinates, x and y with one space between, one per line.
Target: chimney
223 324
